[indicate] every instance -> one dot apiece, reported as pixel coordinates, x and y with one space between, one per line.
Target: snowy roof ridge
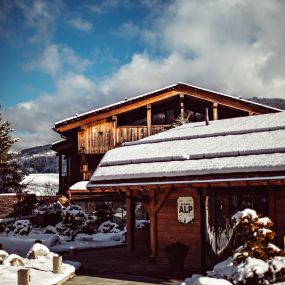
94 111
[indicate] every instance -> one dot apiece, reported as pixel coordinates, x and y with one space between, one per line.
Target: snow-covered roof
239 145
156 92
81 185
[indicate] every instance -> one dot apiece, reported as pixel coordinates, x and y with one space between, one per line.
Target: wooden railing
134 133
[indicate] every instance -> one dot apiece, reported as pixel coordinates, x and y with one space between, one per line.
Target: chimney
207 117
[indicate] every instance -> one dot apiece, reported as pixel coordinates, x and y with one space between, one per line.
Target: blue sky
61 57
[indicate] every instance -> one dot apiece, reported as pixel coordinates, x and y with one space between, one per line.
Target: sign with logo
185 210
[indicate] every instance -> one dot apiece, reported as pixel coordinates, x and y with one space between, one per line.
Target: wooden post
148 119
56 262
215 111
60 173
24 277
250 113
130 219
115 122
152 216
181 100
207 116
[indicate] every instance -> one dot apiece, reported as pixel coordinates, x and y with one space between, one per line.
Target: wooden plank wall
96 138
169 230
277 213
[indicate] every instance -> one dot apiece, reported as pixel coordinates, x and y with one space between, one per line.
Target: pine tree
10 175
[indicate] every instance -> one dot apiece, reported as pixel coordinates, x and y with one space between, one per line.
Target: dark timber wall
169 230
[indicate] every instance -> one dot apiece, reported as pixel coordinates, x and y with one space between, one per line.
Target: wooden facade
222 199
87 137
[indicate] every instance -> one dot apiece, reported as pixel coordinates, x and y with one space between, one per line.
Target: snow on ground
42 184
40 271
21 244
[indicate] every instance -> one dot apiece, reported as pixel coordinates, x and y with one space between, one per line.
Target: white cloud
236 47
104 6
56 59
128 30
81 24
41 16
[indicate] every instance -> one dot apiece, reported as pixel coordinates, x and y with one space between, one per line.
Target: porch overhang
277 180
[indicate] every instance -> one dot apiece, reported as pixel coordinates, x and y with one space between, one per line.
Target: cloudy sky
61 57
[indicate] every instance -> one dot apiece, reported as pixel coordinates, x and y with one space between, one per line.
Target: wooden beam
115 122
181 100
148 119
215 111
162 200
152 216
130 219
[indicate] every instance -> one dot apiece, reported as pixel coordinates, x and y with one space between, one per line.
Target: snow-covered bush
50 230
49 213
257 260
37 250
22 227
3 255
13 260
108 227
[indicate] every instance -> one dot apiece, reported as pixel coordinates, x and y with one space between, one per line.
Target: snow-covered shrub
22 227
102 213
49 214
108 227
257 260
3 255
37 250
13 260
50 230
54 240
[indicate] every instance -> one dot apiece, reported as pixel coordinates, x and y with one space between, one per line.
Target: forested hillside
39 159
273 102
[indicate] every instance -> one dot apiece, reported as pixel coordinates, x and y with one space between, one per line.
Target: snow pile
37 250
198 279
13 260
108 227
22 227
3 255
255 261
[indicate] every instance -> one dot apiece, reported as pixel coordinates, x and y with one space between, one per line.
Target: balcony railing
134 133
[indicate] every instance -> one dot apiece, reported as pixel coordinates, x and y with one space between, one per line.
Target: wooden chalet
87 137
193 178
